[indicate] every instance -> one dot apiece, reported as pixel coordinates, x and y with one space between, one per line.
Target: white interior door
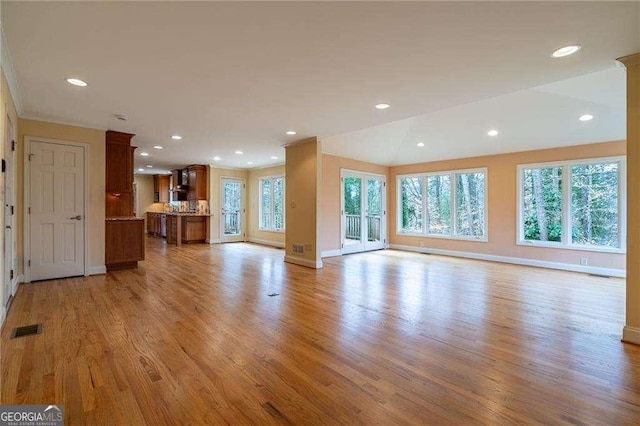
363 212
56 217
232 215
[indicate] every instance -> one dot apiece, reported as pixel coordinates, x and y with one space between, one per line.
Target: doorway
363 211
232 216
9 225
55 188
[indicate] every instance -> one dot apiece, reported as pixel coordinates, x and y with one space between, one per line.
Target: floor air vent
27 330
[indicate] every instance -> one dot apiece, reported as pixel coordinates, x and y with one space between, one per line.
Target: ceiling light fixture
586 117
144 154
492 132
274 158
382 106
141 170
149 166
216 158
176 137
249 162
420 144
566 51
158 146
239 152
121 117
77 82
291 132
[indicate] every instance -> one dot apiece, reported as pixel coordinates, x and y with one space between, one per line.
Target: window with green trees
572 203
448 204
272 203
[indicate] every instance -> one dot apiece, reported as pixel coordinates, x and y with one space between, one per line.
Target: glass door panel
231 218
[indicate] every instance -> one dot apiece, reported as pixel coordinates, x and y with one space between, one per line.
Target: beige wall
253 206
331 193
502 207
215 174
303 192
9 116
96 214
144 194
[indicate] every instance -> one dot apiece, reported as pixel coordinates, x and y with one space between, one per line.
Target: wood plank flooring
192 337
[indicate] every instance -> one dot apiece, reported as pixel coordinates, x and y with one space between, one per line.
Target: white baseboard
631 335
14 285
610 272
303 262
266 242
97 270
214 241
331 253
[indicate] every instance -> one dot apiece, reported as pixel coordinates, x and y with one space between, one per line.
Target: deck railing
231 223
354 225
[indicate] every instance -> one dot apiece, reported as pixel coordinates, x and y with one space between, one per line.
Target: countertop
124 218
181 214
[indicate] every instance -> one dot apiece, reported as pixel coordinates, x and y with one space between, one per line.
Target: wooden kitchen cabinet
124 243
161 188
119 174
194 229
197 182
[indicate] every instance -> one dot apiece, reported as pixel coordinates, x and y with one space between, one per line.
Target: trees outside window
272 203
451 204
573 204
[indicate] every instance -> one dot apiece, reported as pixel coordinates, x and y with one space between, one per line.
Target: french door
232 226
363 210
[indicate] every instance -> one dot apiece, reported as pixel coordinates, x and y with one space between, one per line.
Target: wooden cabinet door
192 195
150 222
119 170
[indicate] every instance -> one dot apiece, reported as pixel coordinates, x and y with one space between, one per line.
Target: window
272 203
575 204
444 204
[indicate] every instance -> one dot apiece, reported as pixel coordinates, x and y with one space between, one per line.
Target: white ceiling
230 76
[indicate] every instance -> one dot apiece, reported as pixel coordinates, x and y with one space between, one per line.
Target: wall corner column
631 332
303 171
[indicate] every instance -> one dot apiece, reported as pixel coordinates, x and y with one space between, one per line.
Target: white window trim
566 243
452 235
272 204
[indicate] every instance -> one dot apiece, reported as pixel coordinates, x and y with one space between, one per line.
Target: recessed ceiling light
239 152
566 51
420 144
249 162
144 154
586 117
291 132
141 170
382 106
274 158
149 166
216 158
158 146
176 137
492 132
76 82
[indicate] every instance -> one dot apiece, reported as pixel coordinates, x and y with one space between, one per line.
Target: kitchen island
180 228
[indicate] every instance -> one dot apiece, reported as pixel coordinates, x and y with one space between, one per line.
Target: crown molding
10 73
630 60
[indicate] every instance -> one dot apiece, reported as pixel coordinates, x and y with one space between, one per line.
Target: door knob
79 217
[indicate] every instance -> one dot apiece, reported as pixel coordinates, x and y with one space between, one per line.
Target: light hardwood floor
192 337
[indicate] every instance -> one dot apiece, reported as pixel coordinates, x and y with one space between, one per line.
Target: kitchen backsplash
200 207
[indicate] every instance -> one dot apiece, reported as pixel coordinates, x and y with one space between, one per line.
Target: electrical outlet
584 261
